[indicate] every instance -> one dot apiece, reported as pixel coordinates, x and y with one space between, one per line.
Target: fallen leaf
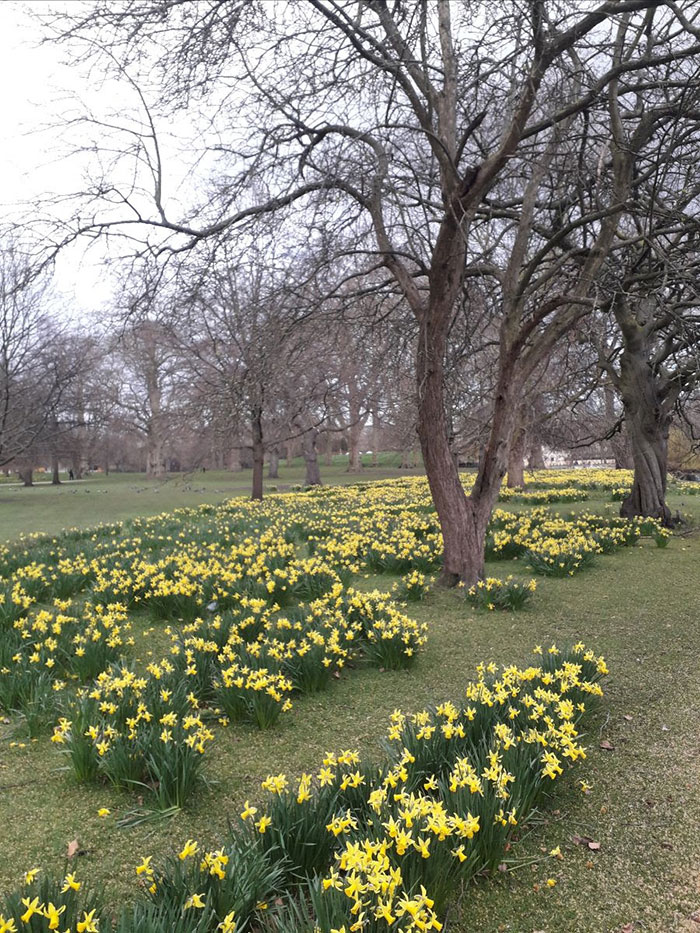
627 717
608 746
589 864
628 928
336 674
581 840
73 849
594 846
666 845
665 729
503 867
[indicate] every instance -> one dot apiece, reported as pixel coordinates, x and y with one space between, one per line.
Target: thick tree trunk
26 474
354 457
258 455
55 474
290 453
647 419
273 464
329 448
463 520
234 460
516 459
155 462
648 495
313 474
648 427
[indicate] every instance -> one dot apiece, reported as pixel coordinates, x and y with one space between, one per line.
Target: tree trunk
234 460
535 457
463 532
648 495
55 477
258 455
648 426
494 458
648 420
155 463
408 459
516 459
26 475
273 465
376 435
329 448
354 457
313 474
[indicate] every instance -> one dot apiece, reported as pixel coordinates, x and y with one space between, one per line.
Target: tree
33 375
149 393
654 362
450 136
241 326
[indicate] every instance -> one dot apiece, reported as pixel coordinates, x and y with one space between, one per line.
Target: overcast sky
32 163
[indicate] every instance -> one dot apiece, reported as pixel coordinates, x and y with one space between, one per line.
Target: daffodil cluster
372 848
494 593
355 846
249 603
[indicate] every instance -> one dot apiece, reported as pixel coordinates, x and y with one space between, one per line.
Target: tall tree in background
34 374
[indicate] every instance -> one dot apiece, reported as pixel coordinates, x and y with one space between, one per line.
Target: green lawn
121 496
639 607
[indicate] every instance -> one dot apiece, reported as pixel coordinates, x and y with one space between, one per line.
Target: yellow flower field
134 649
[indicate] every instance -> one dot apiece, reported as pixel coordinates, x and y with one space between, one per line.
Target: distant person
71 474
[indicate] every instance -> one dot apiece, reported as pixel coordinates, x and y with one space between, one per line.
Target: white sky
37 90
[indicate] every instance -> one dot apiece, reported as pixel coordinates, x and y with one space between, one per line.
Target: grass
121 496
639 607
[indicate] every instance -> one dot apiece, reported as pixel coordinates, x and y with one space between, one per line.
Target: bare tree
450 134
241 329
149 398
34 373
